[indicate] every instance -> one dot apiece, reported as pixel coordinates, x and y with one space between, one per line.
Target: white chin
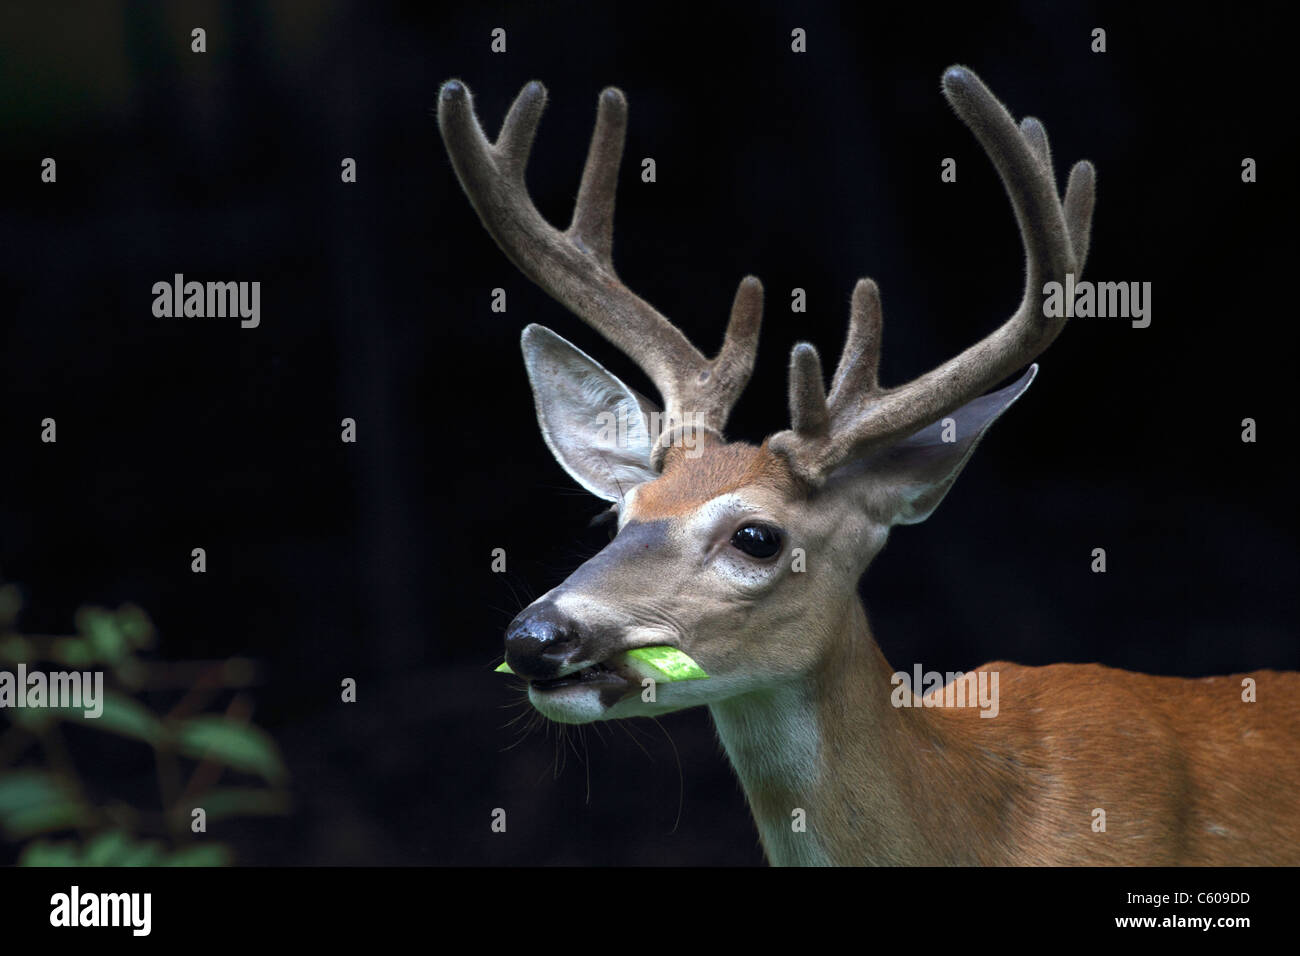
575 704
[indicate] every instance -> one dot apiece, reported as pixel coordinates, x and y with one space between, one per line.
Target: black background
372 560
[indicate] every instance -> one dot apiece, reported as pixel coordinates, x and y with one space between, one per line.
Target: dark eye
757 540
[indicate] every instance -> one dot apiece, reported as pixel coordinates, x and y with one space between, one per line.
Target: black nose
540 641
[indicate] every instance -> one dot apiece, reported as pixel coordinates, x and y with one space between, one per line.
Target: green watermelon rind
669 664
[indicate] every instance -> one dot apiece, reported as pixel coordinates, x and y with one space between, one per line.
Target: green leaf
106 848
102 631
212 855
135 626
24 789
45 853
143 853
222 802
667 664
64 813
127 717
239 746
503 669
119 715
117 848
73 651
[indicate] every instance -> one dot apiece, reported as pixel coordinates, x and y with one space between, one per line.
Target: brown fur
687 482
1186 771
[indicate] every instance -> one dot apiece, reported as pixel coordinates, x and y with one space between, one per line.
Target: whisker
681 779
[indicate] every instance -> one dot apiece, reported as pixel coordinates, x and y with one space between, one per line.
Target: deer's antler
858 415
575 266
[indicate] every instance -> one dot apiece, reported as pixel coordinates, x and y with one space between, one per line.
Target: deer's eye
757 540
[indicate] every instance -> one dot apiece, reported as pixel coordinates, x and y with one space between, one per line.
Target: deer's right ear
916 473
597 428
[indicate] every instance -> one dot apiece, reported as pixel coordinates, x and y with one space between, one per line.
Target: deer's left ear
597 428
916 473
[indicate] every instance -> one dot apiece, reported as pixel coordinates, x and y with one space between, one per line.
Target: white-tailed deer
748 559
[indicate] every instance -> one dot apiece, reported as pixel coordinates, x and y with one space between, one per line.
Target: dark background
372 560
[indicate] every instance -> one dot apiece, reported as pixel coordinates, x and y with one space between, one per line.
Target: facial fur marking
688 483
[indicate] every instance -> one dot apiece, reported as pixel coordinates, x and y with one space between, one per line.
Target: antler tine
859 415
860 360
576 266
593 214
731 369
1080 195
809 413
1036 135
518 131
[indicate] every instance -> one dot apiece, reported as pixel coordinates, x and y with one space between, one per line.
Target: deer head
747 558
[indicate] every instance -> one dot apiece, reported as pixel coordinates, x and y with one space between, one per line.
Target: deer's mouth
596 674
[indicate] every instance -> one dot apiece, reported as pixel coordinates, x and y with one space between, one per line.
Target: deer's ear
915 474
597 428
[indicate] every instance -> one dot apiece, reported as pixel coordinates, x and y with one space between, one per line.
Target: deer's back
1183 771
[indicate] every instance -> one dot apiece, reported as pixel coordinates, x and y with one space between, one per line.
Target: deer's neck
875 783
774 740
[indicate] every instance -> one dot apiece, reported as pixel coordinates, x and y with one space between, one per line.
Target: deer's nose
540 641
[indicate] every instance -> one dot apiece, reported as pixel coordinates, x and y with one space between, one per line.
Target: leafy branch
43 793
